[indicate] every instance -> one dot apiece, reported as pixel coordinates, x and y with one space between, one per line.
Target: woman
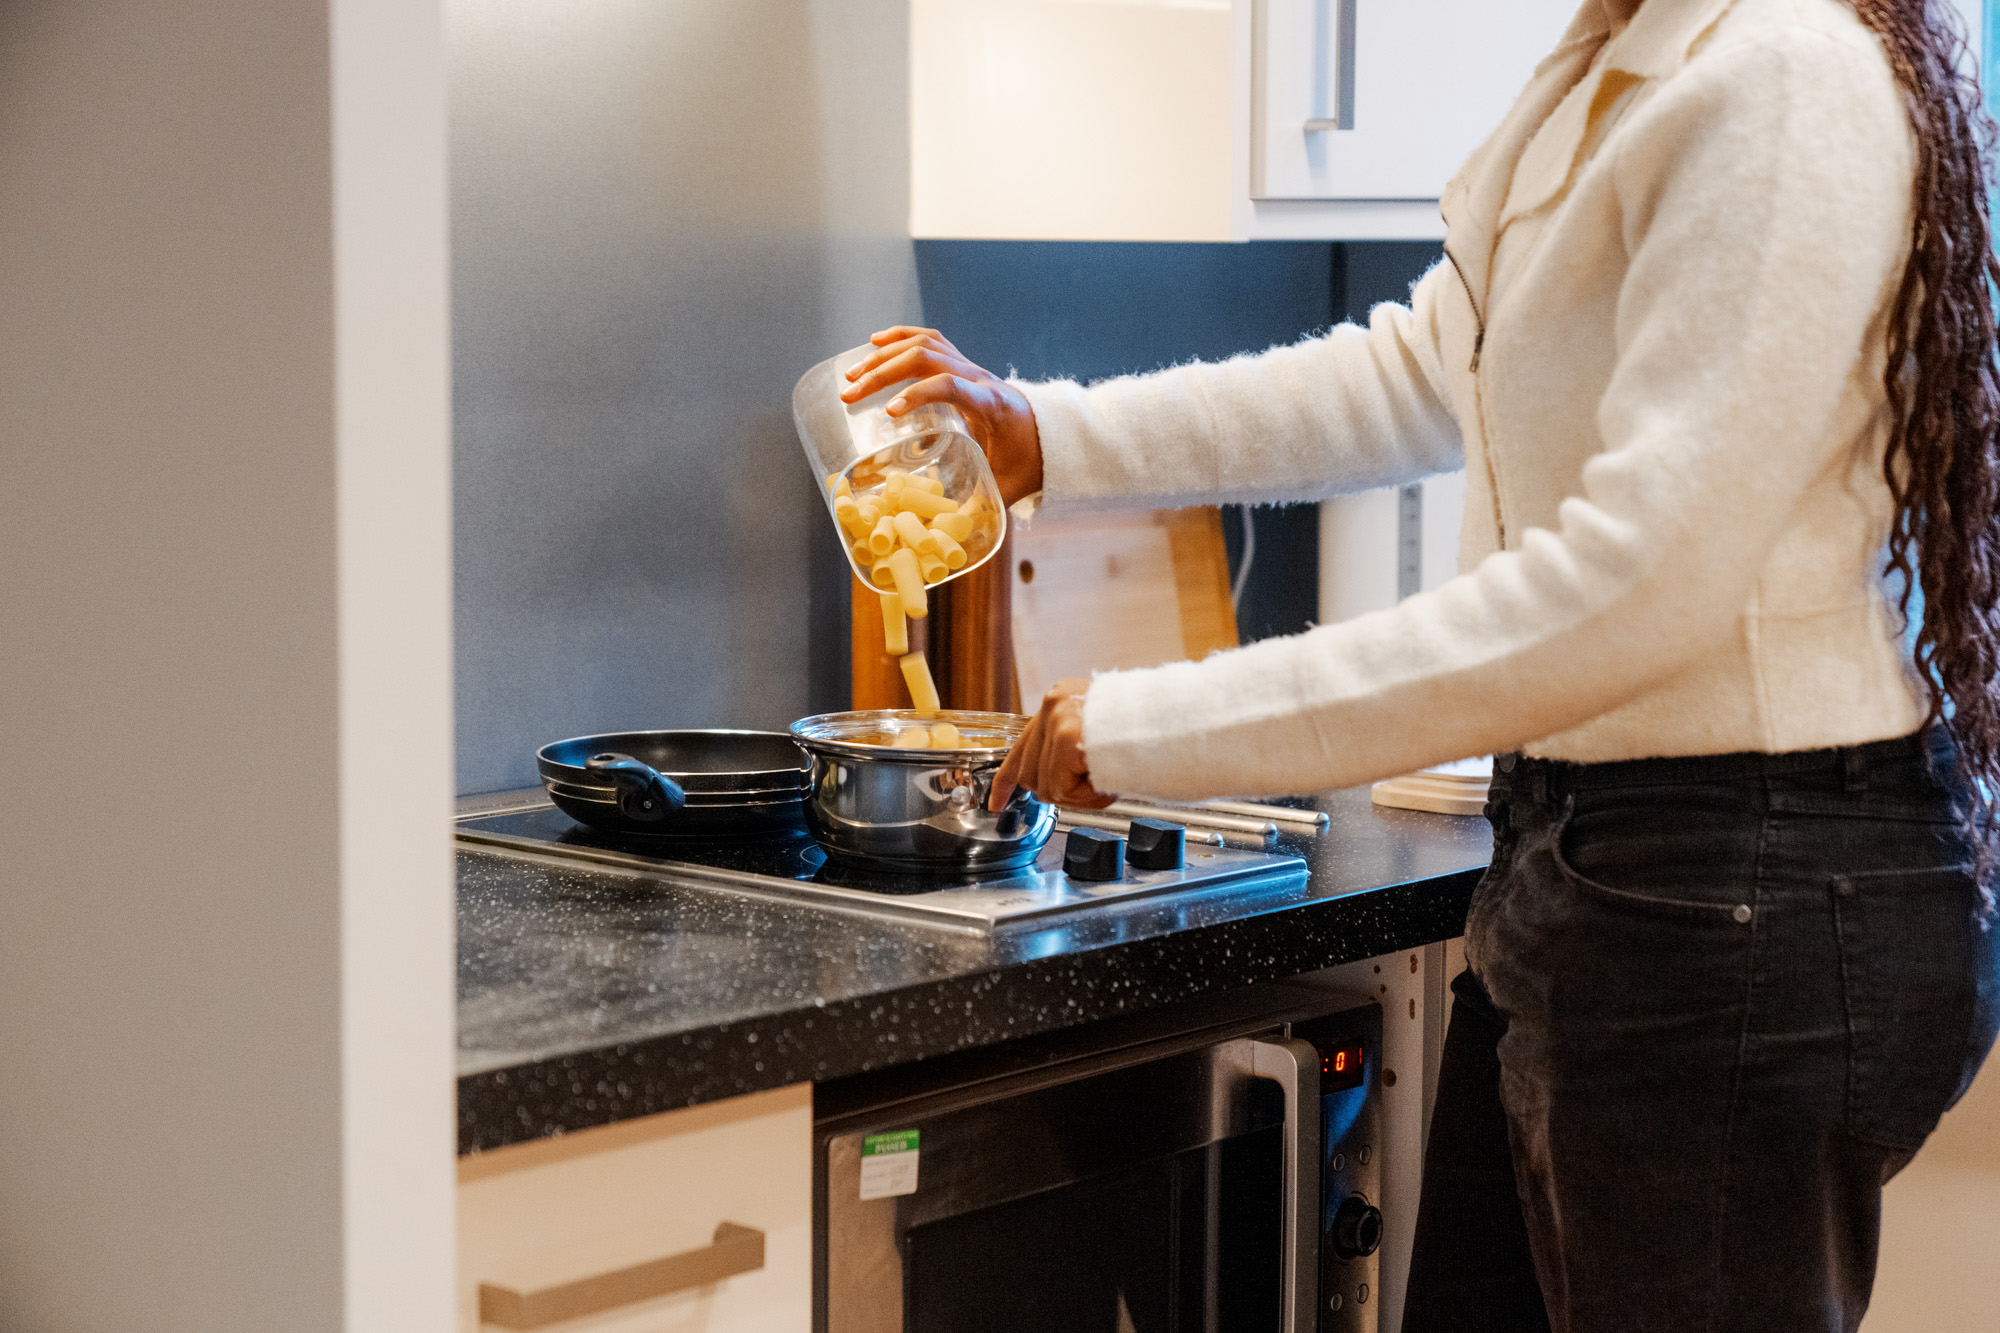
1715 324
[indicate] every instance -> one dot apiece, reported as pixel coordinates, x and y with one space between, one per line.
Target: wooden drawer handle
736 1250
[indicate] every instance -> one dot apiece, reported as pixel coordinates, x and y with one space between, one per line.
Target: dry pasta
944 548
923 504
909 530
923 690
908 578
883 539
905 534
895 625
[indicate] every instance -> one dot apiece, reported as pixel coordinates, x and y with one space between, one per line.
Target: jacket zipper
1478 399
1478 320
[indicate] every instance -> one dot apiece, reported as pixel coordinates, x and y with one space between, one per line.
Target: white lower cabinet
695 1221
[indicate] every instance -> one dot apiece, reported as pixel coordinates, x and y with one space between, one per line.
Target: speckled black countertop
589 995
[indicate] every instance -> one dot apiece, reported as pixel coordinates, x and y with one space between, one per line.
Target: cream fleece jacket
1670 410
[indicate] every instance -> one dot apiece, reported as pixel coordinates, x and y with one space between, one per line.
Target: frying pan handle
644 793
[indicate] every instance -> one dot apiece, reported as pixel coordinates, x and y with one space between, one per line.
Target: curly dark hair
1943 462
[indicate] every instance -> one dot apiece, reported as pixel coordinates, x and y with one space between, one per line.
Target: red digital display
1342 1067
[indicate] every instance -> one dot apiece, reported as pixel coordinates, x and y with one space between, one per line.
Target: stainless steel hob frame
1029 897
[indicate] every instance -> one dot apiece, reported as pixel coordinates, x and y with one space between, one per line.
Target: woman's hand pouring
1002 421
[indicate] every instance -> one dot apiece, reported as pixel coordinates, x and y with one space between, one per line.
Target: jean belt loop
1853 771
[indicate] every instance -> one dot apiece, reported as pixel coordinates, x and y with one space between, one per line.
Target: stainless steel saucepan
917 811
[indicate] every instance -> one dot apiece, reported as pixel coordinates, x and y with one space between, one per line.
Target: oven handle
1294 1066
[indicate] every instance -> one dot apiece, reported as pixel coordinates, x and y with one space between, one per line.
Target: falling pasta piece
863 556
934 485
944 736
923 690
932 568
912 738
840 486
895 625
955 526
848 515
909 581
883 577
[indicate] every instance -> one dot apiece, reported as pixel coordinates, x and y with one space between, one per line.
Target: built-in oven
1196 1183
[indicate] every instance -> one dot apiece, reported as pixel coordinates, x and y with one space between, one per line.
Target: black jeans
1712 1004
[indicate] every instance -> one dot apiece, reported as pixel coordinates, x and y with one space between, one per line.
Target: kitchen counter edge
818 1042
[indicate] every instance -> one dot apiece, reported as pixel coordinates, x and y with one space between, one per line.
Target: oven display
1341 1066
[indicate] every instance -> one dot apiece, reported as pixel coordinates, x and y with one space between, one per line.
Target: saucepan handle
644 793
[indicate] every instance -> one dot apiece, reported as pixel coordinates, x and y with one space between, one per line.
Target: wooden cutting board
1063 597
1446 789
1117 591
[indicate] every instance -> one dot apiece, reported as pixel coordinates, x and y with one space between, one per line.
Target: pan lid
865 735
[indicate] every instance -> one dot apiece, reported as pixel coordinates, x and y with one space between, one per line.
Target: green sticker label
889 1164
876 1145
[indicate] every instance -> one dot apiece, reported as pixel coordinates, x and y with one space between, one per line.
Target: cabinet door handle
736 1250
1333 64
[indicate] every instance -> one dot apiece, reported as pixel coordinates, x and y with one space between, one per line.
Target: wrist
1022 475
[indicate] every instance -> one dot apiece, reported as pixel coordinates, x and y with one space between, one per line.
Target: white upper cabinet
1206 120
1383 99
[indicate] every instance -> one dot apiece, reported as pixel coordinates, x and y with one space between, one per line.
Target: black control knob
1154 844
1357 1228
1090 854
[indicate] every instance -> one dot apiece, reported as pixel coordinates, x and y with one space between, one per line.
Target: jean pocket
1687 875
1912 954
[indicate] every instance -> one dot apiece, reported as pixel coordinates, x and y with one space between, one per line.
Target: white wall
225 895
1941 1223
663 212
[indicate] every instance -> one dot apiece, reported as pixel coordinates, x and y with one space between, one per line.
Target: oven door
1179 1193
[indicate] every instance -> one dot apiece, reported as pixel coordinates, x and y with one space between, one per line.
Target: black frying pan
702 784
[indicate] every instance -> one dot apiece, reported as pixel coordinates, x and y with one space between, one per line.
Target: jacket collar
1661 36
1519 167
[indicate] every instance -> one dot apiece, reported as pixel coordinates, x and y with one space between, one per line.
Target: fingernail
898 404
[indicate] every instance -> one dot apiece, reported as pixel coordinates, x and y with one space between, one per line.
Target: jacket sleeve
1765 191
1348 410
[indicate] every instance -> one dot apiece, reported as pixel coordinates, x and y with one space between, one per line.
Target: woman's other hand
1048 759
1002 421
